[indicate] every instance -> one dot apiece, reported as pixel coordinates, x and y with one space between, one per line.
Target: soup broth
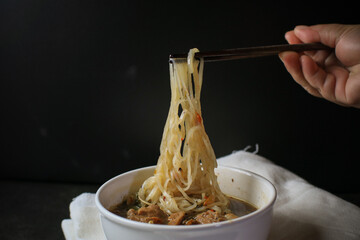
131 209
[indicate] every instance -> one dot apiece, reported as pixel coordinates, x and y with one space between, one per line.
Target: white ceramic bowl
238 183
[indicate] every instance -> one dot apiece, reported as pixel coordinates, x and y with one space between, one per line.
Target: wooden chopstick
251 52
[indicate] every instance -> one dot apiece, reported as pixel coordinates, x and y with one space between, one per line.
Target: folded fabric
85 219
302 211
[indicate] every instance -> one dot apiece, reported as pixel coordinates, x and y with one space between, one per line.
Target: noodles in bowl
238 183
184 184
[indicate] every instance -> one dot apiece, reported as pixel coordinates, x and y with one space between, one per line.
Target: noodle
184 179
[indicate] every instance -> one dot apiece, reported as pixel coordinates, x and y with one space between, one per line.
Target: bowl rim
145 226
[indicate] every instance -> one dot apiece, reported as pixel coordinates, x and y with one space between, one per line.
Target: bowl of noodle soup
191 195
236 183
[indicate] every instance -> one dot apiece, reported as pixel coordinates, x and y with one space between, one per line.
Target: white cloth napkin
302 211
85 219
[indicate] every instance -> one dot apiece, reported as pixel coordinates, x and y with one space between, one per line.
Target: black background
85 88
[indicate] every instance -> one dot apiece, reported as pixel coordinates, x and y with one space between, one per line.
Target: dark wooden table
34 210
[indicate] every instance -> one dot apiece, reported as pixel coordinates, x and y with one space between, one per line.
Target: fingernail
286 36
300 27
281 56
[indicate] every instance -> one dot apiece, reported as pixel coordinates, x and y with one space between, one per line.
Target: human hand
335 75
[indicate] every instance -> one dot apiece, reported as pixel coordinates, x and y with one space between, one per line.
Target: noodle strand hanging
184 179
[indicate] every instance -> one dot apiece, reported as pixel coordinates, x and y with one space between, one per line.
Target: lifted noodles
184 179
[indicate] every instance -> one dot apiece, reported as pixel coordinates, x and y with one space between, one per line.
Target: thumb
344 38
328 34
